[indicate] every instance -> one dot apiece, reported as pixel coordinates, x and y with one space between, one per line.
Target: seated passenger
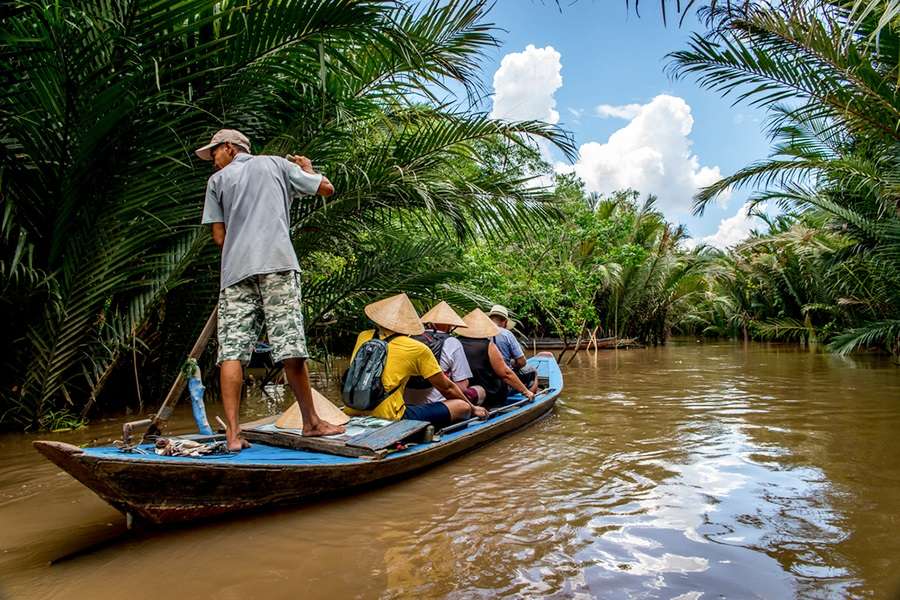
439 322
396 319
489 370
510 347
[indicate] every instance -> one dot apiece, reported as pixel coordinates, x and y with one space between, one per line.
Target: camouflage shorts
272 300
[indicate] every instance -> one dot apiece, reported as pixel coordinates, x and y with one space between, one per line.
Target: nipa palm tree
828 74
103 103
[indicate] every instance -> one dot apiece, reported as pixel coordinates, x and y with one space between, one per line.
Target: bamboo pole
158 421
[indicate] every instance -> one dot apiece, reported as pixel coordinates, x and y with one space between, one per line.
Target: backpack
361 385
435 342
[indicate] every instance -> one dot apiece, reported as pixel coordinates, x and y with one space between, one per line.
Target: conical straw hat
442 314
478 325
292 419
397 314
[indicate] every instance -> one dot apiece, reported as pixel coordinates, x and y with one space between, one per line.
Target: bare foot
238 445
322 428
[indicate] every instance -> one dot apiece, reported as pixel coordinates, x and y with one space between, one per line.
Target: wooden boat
167 489
607 343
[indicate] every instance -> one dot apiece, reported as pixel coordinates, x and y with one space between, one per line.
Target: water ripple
682 472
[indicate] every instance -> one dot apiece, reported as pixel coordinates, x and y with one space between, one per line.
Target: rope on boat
178 447
129 448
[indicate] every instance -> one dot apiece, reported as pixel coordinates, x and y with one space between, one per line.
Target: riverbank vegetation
612 267
107 278
828 269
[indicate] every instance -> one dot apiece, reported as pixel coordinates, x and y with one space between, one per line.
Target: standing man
248 202
510 347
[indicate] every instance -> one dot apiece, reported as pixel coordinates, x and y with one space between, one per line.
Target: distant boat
283 467
606 343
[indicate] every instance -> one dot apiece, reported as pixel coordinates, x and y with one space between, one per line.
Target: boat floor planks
393 434
167 489
295 441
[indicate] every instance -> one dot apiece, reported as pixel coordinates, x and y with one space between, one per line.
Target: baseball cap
500 311
223 135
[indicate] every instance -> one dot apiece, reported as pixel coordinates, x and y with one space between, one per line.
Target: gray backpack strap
387 341
363 387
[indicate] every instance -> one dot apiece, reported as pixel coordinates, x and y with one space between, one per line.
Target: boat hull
169 491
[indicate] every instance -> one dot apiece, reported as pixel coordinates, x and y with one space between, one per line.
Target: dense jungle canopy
107 276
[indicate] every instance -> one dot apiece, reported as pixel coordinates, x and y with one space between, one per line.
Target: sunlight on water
683 472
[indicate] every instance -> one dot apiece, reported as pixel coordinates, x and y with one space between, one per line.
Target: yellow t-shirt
405 357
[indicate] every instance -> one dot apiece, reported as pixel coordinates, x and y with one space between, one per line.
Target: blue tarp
261 454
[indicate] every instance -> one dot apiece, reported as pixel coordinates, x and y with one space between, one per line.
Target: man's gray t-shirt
508 345
252 197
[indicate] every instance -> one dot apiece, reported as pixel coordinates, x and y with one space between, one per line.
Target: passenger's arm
218 234
505 373
519 354
447 388
451 391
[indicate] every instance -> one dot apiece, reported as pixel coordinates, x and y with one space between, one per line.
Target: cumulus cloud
525 83
622 111
734 230
651 154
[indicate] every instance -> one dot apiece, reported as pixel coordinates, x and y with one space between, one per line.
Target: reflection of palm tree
103 102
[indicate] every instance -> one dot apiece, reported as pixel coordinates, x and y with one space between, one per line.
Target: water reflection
684 472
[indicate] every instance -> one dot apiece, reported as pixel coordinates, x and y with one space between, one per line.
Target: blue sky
607 56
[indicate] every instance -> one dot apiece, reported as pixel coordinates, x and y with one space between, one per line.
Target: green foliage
58 421
102 104
829 269
609 264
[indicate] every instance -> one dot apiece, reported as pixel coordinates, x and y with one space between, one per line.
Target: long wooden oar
155 423
493 413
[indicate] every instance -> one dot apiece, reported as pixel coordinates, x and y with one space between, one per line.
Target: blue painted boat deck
259 454
263 455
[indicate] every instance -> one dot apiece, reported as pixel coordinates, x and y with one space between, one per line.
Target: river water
690 471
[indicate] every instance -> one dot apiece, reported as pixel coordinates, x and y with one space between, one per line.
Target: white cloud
651 154
622 111
525 83
734 229
576 113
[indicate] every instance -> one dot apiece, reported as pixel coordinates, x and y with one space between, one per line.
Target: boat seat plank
285 439
386 437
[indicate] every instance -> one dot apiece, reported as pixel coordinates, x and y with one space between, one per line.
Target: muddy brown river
690 471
